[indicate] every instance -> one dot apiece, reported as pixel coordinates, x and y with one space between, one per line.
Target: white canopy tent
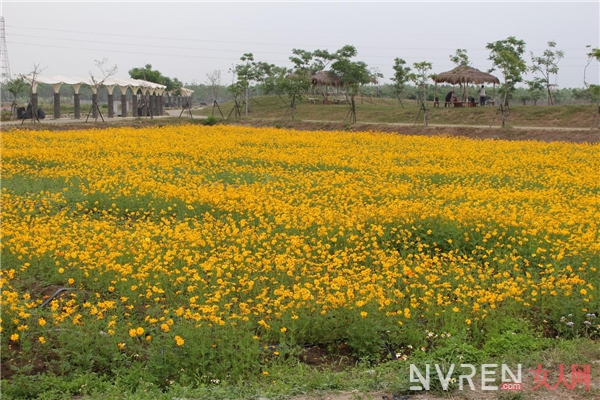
154 91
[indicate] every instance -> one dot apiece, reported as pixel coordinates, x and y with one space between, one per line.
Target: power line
238 42
229 59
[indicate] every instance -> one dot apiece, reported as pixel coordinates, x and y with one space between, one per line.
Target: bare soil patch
543 134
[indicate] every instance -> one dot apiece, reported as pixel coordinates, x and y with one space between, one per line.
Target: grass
389 111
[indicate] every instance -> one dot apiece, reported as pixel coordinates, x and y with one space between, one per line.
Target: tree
401 77
15 87
536 89
594 90
461 58
296 82
96 81
507 56
420 77
547 65
147 74
214 83
248 72
353 74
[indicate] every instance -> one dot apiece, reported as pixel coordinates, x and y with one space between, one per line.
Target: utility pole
4 66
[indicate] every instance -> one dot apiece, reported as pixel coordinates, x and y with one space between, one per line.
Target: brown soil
544 134
575 135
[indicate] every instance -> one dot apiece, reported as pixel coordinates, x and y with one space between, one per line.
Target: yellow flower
165 328
364 314
14 337
121 345
265 372
179 341
42 321
71 281
42 340
139 331
283 329
133 332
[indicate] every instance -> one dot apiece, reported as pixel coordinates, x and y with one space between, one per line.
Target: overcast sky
187 40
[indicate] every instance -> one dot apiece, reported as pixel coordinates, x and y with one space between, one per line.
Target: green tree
15 87
420 77
507 56
594 90
151 75
296 82
248 72
353 74
401 77
547 65
535 89
461 58
147 74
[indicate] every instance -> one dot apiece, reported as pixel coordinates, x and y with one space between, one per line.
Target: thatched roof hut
326 79
463 74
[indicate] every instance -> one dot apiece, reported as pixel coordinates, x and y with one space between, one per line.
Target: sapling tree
507 56
98 79
401 76
15 87
592 89
547 65
353 74
461 58
247 73
420 77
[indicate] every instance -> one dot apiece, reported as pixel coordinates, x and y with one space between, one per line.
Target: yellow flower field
162 233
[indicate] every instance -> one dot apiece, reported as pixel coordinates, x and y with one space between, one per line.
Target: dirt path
544 134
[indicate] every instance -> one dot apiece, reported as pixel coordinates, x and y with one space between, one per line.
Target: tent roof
78 80
464 74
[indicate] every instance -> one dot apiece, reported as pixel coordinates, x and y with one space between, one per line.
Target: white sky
187 40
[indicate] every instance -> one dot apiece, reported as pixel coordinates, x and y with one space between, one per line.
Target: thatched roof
464 74
326 79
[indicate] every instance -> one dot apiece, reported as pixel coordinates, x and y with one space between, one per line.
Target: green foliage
148 74
210 120
507 56
421 76
16 86
401 77
461 58
547 65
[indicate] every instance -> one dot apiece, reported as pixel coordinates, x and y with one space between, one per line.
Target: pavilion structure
146 97
464 75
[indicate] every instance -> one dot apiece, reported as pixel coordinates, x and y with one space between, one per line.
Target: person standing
482 96
448 99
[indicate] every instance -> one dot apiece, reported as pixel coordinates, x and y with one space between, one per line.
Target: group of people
451 98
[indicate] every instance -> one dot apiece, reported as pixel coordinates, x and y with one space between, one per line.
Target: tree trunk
293 106
95 105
